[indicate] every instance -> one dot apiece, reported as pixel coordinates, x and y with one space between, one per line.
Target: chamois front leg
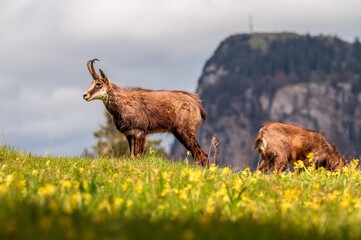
264 166
131 143
139 144
136 141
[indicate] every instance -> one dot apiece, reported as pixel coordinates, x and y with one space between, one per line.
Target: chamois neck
112 95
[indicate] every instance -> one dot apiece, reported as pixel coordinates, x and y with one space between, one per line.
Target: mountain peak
311 81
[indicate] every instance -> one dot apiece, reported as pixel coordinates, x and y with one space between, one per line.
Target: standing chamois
282 143
138 112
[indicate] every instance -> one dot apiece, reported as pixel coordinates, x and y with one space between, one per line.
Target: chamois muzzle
86 96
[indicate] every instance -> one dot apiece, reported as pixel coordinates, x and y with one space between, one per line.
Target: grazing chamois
282 143
138 112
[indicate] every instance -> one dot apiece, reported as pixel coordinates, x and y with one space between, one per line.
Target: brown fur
281 143
138 112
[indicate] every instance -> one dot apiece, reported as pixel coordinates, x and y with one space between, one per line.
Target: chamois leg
139 144
280 163
131 142
264 166
190 142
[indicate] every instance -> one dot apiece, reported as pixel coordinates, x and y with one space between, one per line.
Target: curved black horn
91 68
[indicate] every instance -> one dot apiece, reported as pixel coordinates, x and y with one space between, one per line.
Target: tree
112 143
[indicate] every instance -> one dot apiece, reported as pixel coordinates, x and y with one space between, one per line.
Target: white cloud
36 115
173 19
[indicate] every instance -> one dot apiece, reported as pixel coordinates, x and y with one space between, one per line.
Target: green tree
112 143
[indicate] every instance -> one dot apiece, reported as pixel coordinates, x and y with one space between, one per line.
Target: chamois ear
104 77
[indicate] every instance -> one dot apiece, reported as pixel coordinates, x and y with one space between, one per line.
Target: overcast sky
159 44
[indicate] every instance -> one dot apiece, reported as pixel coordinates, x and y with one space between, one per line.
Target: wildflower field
153 198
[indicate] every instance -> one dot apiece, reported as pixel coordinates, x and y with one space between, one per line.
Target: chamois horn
91 68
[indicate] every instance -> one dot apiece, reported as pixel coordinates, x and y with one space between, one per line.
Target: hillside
312 81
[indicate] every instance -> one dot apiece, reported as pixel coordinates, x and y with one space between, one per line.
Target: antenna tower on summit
250 23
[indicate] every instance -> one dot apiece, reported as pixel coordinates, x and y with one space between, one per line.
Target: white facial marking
99 95
262 145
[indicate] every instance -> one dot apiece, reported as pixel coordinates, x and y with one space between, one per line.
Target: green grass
153 198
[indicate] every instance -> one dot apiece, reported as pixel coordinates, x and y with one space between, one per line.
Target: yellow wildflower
35 173
166 190
86 197
310 157
226 171
85 184
22 183
151 151
118 201
47 190
213 168
237 184
284 206
161 207
167 175
126 184
195 176
3 167
76 200
246 172
76 184
183 193
210 206
105 205
139 187
10 179
67 184
298 165
129 203
354 163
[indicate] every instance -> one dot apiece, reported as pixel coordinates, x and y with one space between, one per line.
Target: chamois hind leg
280 163
189 141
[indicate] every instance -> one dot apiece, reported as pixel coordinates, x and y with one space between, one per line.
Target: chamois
282 143
138 112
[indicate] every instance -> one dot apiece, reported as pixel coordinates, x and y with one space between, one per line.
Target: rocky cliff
311 81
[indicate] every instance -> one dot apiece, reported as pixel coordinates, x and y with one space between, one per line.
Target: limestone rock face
334 111
314 82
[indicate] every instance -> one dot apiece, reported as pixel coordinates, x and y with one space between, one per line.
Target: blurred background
160 44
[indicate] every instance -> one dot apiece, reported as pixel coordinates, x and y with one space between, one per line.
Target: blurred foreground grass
153 198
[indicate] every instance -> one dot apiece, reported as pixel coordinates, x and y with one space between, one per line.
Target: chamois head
99 87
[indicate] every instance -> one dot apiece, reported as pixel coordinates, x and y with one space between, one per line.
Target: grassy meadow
152 198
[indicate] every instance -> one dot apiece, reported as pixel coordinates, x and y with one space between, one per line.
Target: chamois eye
98 84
